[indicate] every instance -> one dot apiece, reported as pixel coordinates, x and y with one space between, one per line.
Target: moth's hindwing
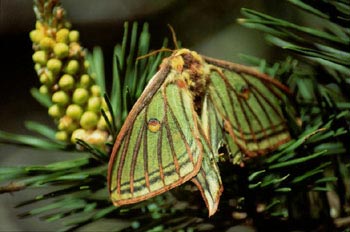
249 104
208 179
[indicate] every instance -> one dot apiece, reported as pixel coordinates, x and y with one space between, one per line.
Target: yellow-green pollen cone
62 68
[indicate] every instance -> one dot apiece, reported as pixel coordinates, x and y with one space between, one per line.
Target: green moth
192 106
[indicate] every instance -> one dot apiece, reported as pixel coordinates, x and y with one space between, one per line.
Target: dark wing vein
134 158
229 87
122 158
159 151
253 112
273 107
239 99
170 139
239 129
145 158
183 138
261 104
188 148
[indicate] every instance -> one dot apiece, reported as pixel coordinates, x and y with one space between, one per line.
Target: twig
313 133
342 222
12 187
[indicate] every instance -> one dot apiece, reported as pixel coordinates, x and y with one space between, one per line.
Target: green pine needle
31 141
44 100
97 67
41 129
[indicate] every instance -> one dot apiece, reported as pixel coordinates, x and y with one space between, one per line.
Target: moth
189 108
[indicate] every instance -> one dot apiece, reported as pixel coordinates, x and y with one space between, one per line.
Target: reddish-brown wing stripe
216 117
159 154
257 94
275 109
229 87
255 133
122 158
159 141
124 134
183 138
188 145
257 119
202 172
261 106
252 111
170 139
201 131
252 132
211 135
247 70
145 159
238 129
134 158
252 72
266 84
208 128
259 133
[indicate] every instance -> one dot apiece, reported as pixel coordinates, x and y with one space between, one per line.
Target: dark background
206 26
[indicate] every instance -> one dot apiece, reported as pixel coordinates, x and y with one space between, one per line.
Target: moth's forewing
159 146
